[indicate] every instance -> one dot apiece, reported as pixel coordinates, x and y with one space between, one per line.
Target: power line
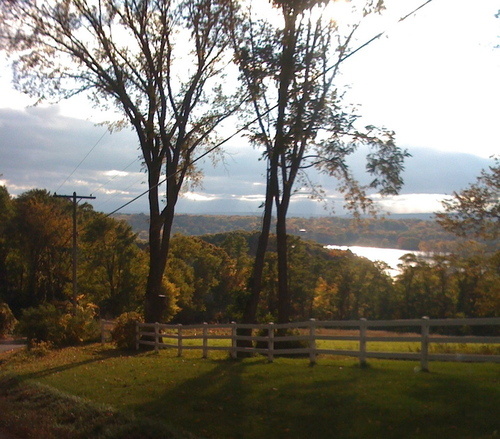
414 11
103 185
116 194
218 145
81 161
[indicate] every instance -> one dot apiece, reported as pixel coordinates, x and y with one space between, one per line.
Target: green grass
33 410
250 398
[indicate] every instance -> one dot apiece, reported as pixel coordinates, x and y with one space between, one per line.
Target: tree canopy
207 275
475 211
126 55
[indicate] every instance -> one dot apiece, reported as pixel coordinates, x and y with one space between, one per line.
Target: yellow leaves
324 298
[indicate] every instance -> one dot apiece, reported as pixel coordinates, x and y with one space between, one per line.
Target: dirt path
10 344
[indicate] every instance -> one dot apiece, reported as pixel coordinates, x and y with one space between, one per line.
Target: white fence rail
106 328
268 339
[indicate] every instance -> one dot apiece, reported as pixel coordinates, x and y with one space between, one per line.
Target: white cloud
196 196
114 192
115 173
16 189
410 203
250 198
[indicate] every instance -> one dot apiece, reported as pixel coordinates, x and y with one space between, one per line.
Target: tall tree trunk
154 305
282 249
160 228
255 281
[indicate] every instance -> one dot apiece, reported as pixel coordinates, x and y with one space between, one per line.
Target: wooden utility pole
75 198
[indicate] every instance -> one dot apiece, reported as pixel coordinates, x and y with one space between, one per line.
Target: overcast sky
433 79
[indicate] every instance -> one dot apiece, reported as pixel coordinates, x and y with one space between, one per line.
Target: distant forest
404 234
207 276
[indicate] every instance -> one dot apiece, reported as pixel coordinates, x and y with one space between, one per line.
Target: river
388 255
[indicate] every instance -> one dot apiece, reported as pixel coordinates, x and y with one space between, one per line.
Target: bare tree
159 62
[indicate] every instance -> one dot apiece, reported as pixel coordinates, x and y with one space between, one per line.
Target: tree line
404 233
207 276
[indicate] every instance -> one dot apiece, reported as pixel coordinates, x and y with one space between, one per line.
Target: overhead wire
117 193
219 144
104 184
81 161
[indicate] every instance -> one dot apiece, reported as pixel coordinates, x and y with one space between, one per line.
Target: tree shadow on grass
250 399
98 355
247 399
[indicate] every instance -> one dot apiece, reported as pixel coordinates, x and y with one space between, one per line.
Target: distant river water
388 255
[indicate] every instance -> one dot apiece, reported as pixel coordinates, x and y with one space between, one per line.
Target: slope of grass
33 410
219 398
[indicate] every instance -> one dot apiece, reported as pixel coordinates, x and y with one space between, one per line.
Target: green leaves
386 162
475 210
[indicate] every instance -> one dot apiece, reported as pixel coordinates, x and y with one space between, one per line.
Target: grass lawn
220 398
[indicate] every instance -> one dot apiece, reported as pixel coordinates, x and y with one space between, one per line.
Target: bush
80 325
7 320
41 324
39 349
65 327
124 332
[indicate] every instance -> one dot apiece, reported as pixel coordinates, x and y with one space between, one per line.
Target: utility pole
75 198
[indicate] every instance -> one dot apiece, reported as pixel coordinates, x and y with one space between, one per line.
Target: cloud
410 203
430 171
414 80
115 173
195 196
39 148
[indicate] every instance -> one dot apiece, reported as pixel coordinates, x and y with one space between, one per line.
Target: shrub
41 324
65 327
79 325
7 320
39 349
124 332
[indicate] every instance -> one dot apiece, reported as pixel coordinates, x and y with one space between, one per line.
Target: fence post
270 342
312 341
205 339
362 342
157 336
179 340
424 349
137 335
234 353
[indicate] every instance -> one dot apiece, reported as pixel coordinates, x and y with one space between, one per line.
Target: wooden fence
269 339
106 328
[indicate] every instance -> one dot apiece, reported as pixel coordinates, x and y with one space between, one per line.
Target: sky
432 78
